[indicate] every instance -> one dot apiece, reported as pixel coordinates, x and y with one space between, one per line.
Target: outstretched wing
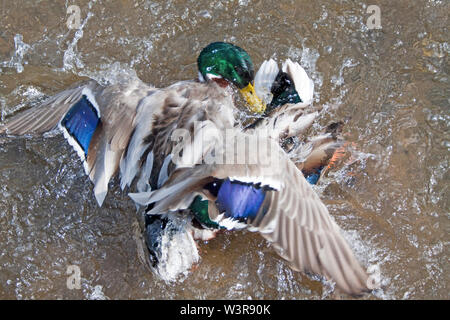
97 121
129 126
274 199
297 222
46 117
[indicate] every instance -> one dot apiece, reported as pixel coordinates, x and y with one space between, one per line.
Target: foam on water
177 251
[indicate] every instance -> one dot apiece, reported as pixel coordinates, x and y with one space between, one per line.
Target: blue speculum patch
313 177
239 200
81 121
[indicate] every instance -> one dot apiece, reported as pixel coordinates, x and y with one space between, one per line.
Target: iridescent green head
225 61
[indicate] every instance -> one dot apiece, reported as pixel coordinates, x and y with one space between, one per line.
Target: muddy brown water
390 85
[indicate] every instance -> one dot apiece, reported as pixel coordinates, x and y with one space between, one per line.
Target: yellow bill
255 103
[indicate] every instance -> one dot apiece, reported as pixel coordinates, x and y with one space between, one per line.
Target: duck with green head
135 130
226 63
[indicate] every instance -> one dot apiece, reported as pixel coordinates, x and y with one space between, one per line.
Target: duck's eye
213 187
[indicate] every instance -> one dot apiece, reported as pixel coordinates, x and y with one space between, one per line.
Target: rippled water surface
390 85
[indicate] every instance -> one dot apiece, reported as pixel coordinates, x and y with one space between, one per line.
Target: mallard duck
158 140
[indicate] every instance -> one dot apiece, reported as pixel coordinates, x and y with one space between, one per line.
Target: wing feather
116 107
292 217
333 257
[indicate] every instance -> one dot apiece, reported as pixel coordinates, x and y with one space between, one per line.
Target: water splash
413 258
70 60
176 249
97 294
338 80
109 74
374 258
21 48
32 97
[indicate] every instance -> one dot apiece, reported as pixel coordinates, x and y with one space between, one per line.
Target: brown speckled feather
135 128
